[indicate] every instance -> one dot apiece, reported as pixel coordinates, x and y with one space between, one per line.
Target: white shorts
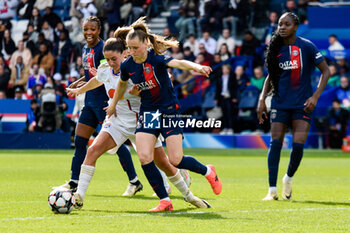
120 134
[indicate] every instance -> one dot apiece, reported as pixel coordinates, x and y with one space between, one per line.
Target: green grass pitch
321 192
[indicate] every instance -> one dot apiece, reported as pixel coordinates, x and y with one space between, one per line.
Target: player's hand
135 90
261 111
77 84
93 71
204 70
110 110
73 85
80 84
310 104
72 91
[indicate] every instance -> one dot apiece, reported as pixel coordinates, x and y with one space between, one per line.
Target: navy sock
192 164
273 159
126 161
295 158
155 179
79 156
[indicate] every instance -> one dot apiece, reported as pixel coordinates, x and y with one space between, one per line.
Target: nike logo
288 197
169 131
279 55
306 117
132 73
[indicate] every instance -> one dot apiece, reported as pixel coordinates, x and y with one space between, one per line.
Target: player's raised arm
188 65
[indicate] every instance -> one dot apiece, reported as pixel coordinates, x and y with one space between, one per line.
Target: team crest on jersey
295 52
147 69
107 125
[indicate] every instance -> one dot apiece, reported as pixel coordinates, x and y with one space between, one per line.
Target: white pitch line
176 213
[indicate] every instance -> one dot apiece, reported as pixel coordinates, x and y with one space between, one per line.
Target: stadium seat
63 13
61 4
249 98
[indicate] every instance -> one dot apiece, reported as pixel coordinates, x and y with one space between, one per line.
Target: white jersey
129 106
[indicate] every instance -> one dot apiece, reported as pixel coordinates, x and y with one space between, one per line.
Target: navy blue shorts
286 116
92 116
153 123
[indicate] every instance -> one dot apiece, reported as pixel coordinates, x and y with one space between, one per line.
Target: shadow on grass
137 196
330 203
186 212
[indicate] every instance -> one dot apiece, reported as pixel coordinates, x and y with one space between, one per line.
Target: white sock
165 199
134 180
208 171
180 184
85 177
166 184
273 190
287 178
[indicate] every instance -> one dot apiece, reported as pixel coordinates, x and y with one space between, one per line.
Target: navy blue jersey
298 61
153 79
91 58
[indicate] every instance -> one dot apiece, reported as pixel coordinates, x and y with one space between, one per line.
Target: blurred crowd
229 35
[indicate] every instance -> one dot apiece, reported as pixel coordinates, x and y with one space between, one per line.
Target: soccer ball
61 201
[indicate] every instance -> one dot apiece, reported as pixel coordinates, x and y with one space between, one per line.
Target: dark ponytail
274 47
271 60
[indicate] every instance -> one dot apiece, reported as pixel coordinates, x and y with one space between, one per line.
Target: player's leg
280 120
81 139
176 158
134 184
83 131
278 130
145 149
300 129
167 187
176 179
102 143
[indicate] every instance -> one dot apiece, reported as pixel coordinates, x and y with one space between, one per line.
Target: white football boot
78 201
286 188
271 196
71 185
132 189
197 202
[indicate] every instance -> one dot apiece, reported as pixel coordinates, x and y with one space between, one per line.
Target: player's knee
92 155
175 160
145 158
80 141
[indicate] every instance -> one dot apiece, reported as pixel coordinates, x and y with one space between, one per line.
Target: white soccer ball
61 201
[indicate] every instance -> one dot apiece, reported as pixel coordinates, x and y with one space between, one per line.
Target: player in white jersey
118 128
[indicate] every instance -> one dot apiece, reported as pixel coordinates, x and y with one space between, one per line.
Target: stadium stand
164 14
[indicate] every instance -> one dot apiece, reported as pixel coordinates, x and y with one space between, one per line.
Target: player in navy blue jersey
148 70
93 112
290 62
